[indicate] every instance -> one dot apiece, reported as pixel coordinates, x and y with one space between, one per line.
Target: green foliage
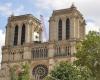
49 78
21 74
13 73
68 71
88 53
87 65
25 73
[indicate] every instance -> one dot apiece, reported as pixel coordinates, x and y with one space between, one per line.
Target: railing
60 53
41 53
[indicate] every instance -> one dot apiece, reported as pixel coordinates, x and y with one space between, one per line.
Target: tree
20 72
88 53
68 71
13 74
25 75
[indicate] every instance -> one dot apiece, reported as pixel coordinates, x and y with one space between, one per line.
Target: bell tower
66 24
23 42
22 29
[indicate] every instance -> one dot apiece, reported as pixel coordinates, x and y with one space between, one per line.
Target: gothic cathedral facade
23 43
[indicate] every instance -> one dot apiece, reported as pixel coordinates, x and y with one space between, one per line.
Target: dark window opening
23 35
16 35
60 30
67 29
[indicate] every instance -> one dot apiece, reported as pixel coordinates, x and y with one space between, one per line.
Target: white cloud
86 6
92 27
89 8
7 9
2 41
54 4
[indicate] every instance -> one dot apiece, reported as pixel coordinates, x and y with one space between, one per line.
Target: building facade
23 43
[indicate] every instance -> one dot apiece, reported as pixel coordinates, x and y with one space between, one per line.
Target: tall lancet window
67 28
23 34
60 30
16 35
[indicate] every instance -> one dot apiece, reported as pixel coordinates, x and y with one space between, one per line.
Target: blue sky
89 9
18 7
45 7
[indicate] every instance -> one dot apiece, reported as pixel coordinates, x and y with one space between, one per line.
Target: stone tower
22 29
23 42
66 24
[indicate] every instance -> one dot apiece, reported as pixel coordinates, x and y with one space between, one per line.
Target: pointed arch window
16 35
23 34
67 28
60 30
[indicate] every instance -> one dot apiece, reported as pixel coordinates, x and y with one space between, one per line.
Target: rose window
40 71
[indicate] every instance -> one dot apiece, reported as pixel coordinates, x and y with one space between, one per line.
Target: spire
73 6
12 14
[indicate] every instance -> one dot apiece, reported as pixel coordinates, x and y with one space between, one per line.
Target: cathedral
23 42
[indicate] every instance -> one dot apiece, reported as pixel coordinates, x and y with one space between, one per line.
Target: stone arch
67 28
16 35
60 29
23 34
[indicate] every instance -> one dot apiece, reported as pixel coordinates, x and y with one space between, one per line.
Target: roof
23 17
67 10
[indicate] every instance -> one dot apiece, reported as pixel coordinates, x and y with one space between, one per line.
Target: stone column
78 28
51 53
62 49
31 31
12 33
53 29
72 27
6 36
19 33
27 33
51 50
27 53
64 28
9 36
